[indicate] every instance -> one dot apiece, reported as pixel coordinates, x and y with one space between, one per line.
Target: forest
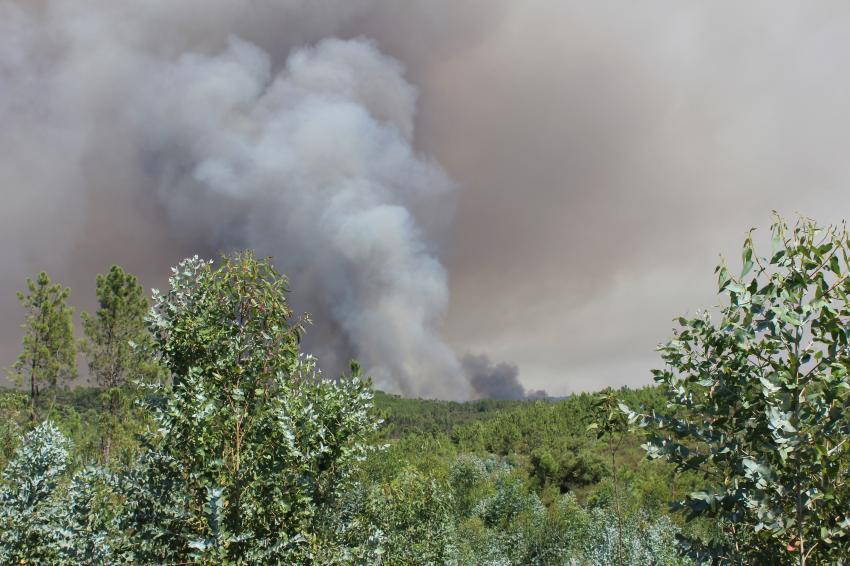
204 434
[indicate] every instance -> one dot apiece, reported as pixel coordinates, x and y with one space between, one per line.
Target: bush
26 509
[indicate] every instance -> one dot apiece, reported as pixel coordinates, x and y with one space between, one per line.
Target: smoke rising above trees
315 166
309 158
496 380
593 156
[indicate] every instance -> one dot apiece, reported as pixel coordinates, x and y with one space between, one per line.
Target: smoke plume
313 164
496 381
593 157
308 157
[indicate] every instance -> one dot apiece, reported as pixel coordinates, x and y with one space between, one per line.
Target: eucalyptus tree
48 356
759 400
610 423
30 480
261 446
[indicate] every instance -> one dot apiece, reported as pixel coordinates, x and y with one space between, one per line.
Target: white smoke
313 164
306 155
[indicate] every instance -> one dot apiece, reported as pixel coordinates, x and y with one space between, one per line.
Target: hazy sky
544 183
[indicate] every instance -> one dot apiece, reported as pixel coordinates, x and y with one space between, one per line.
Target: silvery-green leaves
758 396
26 498
259 445
249 457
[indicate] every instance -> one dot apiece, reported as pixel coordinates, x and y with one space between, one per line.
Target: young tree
116 342
759 403
49 354
611 423
263 445
44 519
27 531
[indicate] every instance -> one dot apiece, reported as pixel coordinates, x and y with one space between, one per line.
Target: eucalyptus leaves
248 457
264 446
758 401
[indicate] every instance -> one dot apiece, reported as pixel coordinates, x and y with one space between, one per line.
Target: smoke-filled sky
475 198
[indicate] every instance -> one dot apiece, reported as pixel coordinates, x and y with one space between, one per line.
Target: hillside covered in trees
209 437
476 482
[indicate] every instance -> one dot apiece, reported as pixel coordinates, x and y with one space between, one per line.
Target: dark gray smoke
496 380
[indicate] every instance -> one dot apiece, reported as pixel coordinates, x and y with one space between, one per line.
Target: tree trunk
33 392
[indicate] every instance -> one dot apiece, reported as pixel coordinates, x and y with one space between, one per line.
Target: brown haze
548 183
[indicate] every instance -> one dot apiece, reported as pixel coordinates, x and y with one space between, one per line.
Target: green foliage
13 415
529 436
467 477
758 402
611 424
155 518
86 531
29 481
635 540
48 356
510 525
415 514
116 335
117 344
426 506
452 509
404 416
238 451
262 444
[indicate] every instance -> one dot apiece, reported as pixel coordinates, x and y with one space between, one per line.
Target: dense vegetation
517 482
208 437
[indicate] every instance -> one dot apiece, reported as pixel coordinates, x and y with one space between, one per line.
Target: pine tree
48 354
114 338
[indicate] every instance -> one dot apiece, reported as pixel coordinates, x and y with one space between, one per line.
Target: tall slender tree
114 338
611 423
48 355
